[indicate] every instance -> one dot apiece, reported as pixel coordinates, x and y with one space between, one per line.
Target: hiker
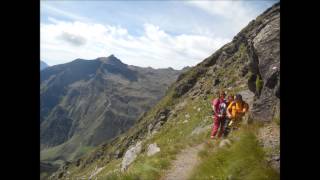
236 110
219 108
230 99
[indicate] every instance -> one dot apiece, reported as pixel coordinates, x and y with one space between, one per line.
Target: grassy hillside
244 159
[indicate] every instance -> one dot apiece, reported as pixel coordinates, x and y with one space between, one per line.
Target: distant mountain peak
111 60
43 65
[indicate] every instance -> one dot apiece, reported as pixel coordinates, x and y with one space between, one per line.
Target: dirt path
183 165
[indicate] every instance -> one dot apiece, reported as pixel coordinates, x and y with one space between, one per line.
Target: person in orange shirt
236 110
230 99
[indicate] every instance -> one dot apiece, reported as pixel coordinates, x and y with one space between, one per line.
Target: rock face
160 119
130 156
152 149
87 102
247 96
267 48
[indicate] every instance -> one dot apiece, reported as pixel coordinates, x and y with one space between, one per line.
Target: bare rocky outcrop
130 156
153 149
266 46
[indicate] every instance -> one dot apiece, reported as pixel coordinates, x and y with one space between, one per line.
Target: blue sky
159 34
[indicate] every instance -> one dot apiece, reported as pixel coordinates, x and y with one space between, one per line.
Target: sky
156 34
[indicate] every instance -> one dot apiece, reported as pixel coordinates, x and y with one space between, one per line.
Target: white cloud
154 48
55 11
238 13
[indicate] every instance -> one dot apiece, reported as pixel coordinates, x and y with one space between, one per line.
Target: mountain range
86 102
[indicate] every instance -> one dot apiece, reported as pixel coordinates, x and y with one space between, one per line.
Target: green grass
50 153
259 84
85 149
43 175
80 151
243 160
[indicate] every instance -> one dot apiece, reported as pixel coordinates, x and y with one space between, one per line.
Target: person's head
230 98
238 98
222 94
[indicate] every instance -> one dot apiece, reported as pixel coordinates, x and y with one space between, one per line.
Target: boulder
187 116
224 142
130 156
247 96
152 149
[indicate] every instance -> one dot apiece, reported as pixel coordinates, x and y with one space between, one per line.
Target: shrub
259 84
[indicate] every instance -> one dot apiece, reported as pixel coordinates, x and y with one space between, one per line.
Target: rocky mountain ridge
87 102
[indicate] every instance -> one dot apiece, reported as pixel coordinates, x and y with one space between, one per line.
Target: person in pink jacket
219 106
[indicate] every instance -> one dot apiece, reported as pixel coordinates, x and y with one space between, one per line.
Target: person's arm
213 106
229 109
245 108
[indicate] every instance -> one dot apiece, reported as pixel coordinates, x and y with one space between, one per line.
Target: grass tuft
243 160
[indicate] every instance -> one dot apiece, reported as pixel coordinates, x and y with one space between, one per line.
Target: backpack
222 106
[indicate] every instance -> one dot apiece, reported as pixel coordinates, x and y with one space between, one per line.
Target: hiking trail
186 160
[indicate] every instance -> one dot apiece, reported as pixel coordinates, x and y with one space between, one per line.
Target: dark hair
222 92
231 96
238 96
219 93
